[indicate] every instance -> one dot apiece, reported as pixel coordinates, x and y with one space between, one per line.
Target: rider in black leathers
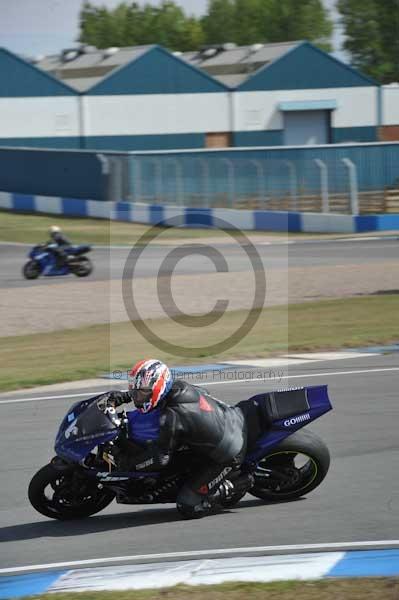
59 245
216 432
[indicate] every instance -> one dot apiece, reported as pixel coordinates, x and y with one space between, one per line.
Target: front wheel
31 269
82 267
294 468
62 494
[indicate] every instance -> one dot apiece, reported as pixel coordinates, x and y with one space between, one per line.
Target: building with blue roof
147 98
36 109
293 93
144 98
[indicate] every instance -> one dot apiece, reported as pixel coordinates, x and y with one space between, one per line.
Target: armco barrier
246 220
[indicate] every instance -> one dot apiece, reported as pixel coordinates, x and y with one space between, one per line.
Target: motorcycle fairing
77 436
79 250
48 263
144 427
319 403
83 428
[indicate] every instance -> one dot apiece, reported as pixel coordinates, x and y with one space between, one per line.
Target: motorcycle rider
189 416
59 245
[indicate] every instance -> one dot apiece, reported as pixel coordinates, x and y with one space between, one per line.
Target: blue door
306 127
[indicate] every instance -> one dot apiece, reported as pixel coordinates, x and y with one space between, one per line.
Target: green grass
73 354
327 589
31 228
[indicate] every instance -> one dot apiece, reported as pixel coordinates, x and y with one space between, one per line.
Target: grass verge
33 229
81 353
327 589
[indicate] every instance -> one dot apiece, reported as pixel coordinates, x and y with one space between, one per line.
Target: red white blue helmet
149 382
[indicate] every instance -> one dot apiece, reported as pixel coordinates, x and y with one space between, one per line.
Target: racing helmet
55 229
149 382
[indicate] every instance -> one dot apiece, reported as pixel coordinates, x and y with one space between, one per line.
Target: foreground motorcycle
93 442
43 262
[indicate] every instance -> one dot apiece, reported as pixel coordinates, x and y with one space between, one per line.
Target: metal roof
232 65
85 66
79 58
231 80
239 55
82 84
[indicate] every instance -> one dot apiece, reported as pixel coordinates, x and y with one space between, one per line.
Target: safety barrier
343 178
154 214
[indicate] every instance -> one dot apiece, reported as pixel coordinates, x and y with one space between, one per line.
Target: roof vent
70 54
87 48
37 59
255 48
110 51
229 46
209 52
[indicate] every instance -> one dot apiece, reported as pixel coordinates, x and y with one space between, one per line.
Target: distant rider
59 245
190 417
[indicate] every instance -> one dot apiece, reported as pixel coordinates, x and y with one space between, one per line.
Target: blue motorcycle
93 442
43 261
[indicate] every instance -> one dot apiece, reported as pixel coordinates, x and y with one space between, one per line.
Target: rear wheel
294 468
81 267
31 269
63 495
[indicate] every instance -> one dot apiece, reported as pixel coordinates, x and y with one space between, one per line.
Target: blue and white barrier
371 563
245 220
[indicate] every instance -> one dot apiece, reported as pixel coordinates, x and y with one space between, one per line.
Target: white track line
208 554
226 382
33 399
259 243
366 371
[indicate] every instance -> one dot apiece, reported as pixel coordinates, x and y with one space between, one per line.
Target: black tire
88 501
81 267
31 269
287 481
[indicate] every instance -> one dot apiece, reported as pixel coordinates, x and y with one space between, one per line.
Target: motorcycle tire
65 505
278 478
82 267
31 270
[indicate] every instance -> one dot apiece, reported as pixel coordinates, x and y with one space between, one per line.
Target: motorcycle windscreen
84 427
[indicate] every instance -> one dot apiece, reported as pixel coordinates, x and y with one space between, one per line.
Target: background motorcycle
93 441
43 262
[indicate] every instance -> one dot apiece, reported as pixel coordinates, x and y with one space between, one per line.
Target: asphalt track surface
358 501
109 263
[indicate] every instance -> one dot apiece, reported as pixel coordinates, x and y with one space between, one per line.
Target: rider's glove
112 400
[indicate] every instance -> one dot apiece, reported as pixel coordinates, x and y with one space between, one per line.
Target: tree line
239 21
371 27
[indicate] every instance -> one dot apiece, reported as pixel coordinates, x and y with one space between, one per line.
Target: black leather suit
60 251
216 432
